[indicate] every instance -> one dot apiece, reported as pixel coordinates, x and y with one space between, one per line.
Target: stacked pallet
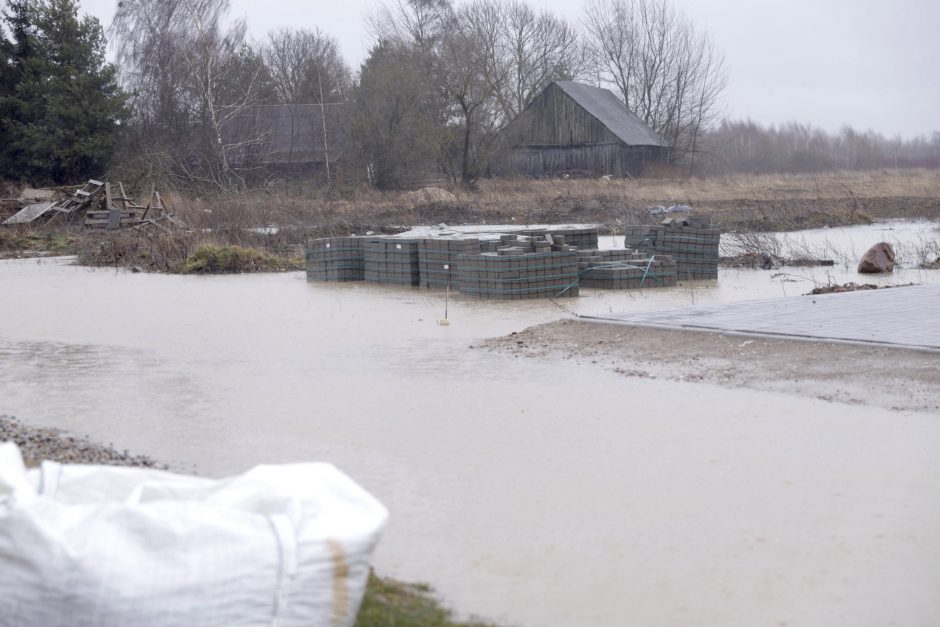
335 259
392 260
624 269
689 241
522 268
437 259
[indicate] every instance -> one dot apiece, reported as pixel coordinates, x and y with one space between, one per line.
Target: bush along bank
182 253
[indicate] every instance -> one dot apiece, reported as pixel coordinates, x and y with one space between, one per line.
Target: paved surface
901 316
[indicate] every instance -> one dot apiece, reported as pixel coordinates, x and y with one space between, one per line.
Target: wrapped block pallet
625 269
519 275
392 260
335 259
437 259
694 248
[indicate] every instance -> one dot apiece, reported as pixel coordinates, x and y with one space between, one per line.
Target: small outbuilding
573 128
298 138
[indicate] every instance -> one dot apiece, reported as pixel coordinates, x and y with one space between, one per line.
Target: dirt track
896 379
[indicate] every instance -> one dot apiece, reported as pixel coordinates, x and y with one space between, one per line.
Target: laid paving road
906 317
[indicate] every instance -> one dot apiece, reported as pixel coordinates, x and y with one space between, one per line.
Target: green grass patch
13 240
390 603
213 259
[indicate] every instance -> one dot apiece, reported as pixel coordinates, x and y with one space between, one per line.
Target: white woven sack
107 546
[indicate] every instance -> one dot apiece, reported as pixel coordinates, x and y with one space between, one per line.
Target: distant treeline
745 146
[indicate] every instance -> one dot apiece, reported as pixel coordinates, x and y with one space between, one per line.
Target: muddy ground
892 378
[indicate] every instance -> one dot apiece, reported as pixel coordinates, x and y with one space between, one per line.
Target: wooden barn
572 128
289 138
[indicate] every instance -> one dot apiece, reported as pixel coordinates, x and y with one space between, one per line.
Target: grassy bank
390 603
264 230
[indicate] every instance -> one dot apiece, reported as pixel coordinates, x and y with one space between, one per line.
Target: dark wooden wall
555 135
600 159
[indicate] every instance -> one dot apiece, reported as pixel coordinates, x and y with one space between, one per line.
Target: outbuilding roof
606 107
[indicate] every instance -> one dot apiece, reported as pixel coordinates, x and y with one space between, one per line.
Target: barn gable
575 128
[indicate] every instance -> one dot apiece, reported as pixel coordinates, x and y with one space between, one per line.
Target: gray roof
606 107
281 134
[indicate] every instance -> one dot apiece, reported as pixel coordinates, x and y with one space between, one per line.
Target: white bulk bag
110 546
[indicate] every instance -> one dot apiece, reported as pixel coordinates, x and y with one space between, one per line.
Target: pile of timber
100 206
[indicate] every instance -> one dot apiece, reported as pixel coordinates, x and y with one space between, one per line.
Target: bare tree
537 48
302 63
416 22
465 51
665 71
192 73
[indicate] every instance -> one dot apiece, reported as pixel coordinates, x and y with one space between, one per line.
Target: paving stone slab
901 316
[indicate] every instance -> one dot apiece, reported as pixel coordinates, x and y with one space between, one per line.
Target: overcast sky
873 64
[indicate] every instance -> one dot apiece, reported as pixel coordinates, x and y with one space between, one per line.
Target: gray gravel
38 444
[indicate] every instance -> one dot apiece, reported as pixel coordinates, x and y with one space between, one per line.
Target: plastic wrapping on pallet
111 546
438 259
520 276
689 241
625 269
335 259
392 260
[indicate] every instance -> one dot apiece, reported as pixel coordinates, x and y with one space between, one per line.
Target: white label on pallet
447 266
398 246
328 244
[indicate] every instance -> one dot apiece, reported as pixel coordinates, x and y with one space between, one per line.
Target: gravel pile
37 445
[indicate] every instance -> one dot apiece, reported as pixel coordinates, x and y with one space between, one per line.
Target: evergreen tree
61 103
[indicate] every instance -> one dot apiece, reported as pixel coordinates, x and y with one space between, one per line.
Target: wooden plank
123 196
114 219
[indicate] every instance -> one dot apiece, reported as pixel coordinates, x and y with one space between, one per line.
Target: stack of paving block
690 241
522 268
489 245
392 260
624 269
335 259
437 259
579 237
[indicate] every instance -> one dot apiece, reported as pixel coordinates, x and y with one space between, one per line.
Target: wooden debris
101 207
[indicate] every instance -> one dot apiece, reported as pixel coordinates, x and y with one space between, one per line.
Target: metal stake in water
444 321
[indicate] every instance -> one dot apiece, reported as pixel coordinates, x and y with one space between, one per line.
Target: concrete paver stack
522 268
625 269
690 241
335 259
522 263
438 259
392 260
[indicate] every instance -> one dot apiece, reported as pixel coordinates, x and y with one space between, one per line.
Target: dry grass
280 218
741 202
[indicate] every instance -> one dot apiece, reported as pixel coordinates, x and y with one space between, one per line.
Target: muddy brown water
530 493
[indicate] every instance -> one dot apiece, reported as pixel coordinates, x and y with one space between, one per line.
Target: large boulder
877 259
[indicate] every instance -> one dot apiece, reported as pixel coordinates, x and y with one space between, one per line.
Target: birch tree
191 71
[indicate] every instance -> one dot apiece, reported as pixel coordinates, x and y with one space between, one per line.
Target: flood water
530 493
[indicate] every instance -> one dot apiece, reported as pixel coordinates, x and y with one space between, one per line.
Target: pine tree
64 105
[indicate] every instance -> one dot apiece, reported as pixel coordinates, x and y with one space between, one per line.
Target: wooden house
290 138
572 128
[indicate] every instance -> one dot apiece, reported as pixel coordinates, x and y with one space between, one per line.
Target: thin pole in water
444 322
